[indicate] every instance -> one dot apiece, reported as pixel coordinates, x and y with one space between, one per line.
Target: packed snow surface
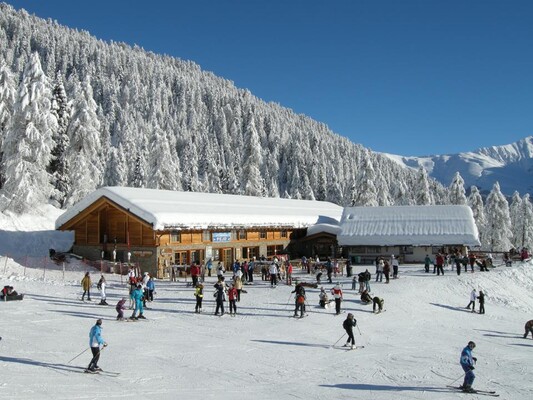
411 350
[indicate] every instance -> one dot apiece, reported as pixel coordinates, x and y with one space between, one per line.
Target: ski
347 348
105 373
378 312
475 391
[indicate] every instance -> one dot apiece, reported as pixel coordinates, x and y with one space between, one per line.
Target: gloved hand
475 359
471 367
105 344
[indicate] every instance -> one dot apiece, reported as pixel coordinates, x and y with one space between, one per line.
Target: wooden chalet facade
112 224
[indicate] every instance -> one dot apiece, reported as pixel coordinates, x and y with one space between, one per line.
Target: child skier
120 307
377 302
199 293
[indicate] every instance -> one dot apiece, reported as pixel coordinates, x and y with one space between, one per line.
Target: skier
101 287
386 270
481 299
377 302
95 341
323 298
289 274
220 295
473 296
427 262
395 263
120 307
348 325
439 264
458 262
299 300
232 296
238 286
379 269
273 270
318 276
329 269
150 289
199 293
337 295
467 363
529 328
138 296
86 284
365 297
368 277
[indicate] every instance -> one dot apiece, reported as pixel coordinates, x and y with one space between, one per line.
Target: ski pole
359 330
458 378
78 355
344 334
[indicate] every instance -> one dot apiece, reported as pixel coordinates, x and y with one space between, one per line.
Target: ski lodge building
160 228
157 229
408 232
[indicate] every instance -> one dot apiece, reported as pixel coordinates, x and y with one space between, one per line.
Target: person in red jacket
232 296
337 295
289 274
439 262
195 272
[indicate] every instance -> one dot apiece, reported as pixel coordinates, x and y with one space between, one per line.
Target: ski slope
411 351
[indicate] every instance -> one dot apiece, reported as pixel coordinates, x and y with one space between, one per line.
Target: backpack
300 299
99 285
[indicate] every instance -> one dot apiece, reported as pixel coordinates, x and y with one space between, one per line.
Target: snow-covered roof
328 225
192 210
408 225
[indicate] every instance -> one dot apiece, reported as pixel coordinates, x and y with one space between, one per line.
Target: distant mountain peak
510 164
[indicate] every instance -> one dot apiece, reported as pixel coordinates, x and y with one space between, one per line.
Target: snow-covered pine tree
422 193
365 190
498 233
59 165
253 160
475 201
8 93
117 169
28 144
517 223
163 167
456 193
138 178
527 225
86 150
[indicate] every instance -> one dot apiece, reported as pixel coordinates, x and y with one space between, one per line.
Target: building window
175 236
284 233
206 236
262 235
242 234
274 250
216 255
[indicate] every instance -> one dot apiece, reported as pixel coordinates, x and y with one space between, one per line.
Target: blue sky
400 76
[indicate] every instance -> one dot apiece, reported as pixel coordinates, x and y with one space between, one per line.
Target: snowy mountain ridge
511 165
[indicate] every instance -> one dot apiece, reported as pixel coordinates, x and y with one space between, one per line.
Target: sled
10 298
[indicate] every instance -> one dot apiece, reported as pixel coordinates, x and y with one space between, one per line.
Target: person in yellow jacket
86 284
199 293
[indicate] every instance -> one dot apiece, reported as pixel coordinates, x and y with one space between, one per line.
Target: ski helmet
99 321
350 315
471 344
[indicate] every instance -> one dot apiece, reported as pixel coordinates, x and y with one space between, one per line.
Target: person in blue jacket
138 295
467 363
95 341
